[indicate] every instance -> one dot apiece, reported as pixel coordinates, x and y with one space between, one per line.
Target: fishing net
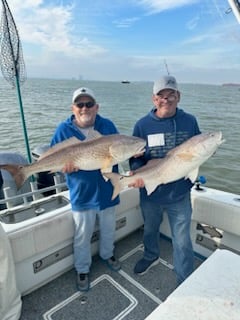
11 55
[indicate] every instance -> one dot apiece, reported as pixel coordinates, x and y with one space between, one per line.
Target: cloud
105 40
192 24
125 23
51 28
156 6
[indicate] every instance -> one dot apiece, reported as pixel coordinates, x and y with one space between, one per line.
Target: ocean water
47 102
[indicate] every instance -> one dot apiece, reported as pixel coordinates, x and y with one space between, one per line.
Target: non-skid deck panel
148 290
159 280
108 301
115 303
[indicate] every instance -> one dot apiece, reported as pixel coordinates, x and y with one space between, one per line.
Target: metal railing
34 194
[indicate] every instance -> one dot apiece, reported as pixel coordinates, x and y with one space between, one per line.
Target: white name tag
155 140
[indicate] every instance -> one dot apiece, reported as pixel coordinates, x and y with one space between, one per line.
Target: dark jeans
179 216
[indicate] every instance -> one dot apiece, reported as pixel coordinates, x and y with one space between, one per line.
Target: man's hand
138 155
69 168
138 183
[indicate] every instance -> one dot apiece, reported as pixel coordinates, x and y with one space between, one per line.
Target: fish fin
150 187
193 175
104 177
106 170
18 173
93 134
115 179
66 143
107 165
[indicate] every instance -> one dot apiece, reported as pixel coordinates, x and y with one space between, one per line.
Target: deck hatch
95 303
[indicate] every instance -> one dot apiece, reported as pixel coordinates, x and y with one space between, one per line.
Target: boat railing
10 200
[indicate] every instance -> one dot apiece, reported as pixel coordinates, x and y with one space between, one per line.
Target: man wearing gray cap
90 194
165 127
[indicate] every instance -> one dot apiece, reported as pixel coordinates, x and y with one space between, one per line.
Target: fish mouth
220 137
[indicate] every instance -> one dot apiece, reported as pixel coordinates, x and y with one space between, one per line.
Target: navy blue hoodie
175 130
88 189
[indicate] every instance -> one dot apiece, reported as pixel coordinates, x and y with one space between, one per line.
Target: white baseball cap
83 92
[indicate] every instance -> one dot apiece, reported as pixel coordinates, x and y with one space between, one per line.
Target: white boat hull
211 292
42 246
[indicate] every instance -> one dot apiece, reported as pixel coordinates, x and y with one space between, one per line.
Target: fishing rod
11 60
235 7
166 66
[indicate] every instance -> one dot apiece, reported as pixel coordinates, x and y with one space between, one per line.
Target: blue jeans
179 217
84 223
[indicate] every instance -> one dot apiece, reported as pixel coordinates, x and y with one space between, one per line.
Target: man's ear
179 96
153 98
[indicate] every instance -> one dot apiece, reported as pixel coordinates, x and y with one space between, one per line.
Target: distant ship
231 84
125 81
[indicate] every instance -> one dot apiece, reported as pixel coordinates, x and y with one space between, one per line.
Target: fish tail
18 173
115 179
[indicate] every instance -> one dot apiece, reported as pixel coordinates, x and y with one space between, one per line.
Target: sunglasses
88 104
170 98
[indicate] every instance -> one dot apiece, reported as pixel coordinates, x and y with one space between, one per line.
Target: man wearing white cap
90 194
165 127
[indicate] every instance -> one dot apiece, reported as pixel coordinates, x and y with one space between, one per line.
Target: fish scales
99 153
181 162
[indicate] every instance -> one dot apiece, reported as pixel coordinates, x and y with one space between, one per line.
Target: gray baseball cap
166 82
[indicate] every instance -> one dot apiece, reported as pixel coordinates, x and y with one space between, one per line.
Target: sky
198 41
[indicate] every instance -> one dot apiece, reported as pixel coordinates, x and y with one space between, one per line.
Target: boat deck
113 295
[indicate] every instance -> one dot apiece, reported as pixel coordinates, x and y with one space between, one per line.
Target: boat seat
10 299
218 209
42 245
36 235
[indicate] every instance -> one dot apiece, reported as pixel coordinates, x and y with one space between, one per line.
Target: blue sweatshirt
171 132
88 189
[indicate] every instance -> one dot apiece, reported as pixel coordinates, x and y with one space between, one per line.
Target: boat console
210 292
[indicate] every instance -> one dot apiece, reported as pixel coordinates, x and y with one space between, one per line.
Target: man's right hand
69 167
